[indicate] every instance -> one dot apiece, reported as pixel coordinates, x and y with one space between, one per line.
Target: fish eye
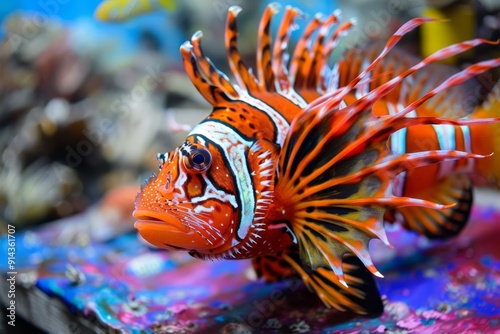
198 160
161 159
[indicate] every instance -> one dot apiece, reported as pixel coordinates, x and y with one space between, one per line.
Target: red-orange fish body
292 167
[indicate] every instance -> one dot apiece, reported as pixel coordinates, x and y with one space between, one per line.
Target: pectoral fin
361 296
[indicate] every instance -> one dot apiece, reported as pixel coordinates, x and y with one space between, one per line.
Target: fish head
190 205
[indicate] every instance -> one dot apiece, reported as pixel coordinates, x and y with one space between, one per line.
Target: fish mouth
168 232
153 220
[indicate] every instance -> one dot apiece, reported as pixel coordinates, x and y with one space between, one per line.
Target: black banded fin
440 224
361 296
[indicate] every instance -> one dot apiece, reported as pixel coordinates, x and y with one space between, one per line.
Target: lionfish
300 163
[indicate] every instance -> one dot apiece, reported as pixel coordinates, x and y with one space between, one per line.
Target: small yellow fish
122 10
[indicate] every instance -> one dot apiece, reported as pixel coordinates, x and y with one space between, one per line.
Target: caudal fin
486 137
440 224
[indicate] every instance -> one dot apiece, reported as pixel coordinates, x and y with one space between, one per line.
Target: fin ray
265 73
212 73
211 92
361 296
301 53
280 49
241 72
